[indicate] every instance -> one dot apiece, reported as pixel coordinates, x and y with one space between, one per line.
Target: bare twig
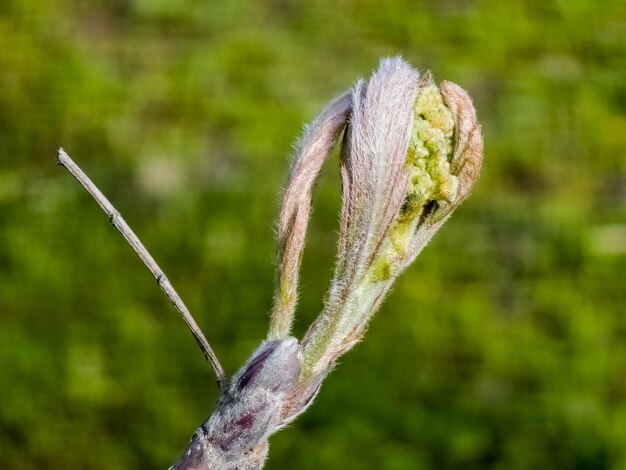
119 223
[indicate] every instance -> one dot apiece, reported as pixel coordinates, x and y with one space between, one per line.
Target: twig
119 223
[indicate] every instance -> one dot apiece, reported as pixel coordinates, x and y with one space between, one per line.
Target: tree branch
119 223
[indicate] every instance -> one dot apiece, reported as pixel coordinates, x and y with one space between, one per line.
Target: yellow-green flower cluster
429 151
430 177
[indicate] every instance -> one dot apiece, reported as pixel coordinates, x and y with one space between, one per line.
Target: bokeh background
503 347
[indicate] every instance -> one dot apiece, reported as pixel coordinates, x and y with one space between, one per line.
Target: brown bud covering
468 149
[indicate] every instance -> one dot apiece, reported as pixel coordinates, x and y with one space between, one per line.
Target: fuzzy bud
411 155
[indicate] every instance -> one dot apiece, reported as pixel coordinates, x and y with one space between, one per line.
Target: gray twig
119 223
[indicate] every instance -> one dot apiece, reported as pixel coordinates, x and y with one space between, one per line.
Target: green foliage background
503 347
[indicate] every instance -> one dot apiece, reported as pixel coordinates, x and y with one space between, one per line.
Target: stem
120 224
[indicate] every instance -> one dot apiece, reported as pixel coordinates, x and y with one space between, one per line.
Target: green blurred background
504 346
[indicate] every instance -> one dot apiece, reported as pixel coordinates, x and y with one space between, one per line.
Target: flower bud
411 155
